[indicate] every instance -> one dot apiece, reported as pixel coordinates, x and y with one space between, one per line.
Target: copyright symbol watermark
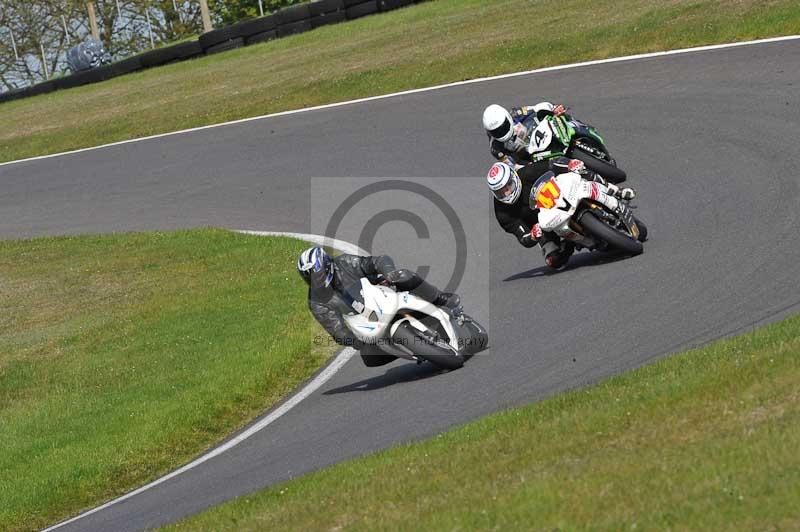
411 220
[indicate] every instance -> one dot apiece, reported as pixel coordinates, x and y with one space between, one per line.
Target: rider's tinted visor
501 131
510 192
505 192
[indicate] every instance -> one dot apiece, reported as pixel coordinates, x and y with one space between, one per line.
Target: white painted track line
424 89
339 245
322 377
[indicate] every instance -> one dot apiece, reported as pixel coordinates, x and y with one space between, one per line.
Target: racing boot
428 292
626 194
450 300
409 280
556 256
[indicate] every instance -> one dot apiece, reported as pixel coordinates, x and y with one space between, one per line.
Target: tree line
36 35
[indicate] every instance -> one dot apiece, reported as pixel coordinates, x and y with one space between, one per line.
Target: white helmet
504 183
497 121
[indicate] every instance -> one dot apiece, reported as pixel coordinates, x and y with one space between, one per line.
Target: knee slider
550 247
556 260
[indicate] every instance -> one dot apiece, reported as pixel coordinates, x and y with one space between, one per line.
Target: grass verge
123 356
706 440
426 44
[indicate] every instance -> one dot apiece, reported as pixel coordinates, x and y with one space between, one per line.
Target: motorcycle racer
328 277
512 189
509 130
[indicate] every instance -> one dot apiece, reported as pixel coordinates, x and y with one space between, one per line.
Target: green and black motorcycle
565 135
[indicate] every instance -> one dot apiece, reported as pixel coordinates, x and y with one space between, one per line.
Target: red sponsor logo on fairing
575 165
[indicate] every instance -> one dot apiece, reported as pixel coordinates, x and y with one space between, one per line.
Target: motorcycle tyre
615 239
423 348
610 172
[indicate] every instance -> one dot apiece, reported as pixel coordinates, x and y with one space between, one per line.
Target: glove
559 110
576 166
536 232
524 236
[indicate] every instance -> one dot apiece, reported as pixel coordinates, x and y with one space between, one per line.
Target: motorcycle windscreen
537 187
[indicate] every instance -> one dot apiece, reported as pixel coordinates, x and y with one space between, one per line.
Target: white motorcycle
406 326
567 208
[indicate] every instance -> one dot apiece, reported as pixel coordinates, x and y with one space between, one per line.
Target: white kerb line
415 91
330 370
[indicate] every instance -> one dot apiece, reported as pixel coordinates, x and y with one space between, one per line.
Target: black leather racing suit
518 218
328 306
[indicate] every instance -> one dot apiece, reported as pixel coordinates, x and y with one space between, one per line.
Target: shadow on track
578 260
396 375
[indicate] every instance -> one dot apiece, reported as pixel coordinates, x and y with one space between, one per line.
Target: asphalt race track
709 139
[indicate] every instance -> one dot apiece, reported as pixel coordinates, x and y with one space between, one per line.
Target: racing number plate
547 195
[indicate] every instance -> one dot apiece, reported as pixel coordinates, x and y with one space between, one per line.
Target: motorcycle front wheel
424 348
616 239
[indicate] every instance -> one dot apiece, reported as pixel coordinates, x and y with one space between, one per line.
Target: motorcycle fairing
553 136
379 307
572 189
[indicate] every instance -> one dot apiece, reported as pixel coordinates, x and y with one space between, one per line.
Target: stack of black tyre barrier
288 21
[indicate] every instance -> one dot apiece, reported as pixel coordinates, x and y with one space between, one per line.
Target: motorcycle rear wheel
614 238
610 172
424 348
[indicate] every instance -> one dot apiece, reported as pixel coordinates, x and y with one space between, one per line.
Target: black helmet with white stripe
315 266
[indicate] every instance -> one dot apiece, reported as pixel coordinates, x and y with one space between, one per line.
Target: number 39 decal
547 195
